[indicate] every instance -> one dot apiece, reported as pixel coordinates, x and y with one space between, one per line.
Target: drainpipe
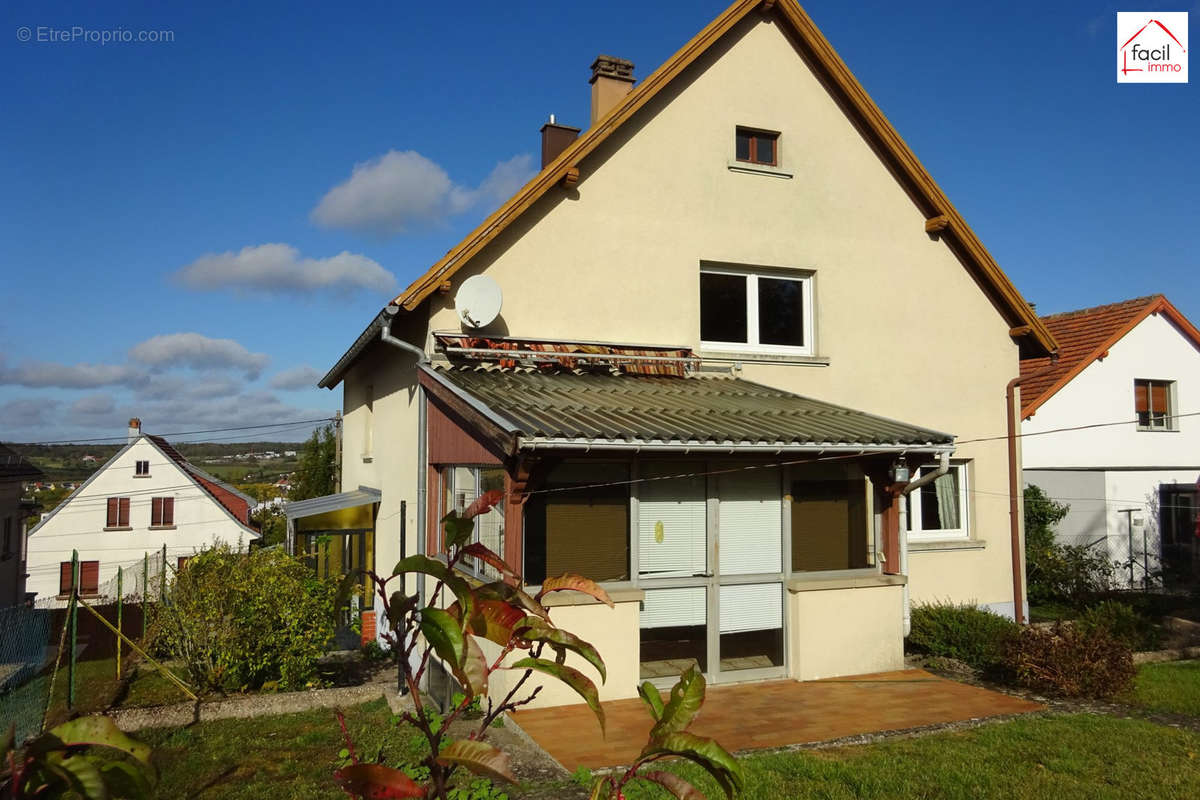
385 335
1014 488
928 477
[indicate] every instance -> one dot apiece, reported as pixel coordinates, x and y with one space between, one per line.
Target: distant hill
233 461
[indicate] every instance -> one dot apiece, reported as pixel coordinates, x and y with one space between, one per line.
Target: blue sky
184 237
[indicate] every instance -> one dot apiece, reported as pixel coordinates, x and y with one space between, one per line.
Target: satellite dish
478 301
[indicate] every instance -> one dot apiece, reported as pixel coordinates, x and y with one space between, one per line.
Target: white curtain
947 500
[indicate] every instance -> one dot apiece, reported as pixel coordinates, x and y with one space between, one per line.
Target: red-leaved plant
501 612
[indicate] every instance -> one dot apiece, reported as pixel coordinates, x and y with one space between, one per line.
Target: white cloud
280 268
402 190
26 413
49 374
198 352
302 377
94 405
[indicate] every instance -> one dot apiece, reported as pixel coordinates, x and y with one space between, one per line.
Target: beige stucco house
740 323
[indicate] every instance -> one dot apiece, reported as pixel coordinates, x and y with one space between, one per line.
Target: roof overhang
532 444
362 496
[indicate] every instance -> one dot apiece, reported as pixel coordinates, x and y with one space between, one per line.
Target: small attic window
141 469
753 146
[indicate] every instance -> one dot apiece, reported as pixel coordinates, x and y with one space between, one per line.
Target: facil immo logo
1152 47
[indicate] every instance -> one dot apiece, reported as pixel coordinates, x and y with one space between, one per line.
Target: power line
297 423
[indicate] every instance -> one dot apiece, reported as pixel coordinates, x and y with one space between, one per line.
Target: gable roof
836 76
1086 335
233 502
14 466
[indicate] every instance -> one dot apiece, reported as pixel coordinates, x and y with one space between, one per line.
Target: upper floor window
118 512
141 469
756 147
1152 401
756 311
939 508
162 512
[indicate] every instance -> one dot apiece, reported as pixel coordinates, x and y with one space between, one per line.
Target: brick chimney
612 79
555 139
135 430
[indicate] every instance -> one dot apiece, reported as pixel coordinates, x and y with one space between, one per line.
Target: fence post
120 588
72 621
145 589
162 578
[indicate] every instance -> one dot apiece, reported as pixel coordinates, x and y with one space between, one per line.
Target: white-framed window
939 509
463 484
757 311
1154 401
141 469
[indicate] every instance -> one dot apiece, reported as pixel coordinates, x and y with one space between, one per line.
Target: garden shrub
1056 572
1065 660
242 620
1122 622
963 632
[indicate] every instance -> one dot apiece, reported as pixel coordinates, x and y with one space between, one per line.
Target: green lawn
1064 757
1061 757
97 688
1172 686
290 755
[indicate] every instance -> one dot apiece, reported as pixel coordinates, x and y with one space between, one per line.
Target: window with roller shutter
117 512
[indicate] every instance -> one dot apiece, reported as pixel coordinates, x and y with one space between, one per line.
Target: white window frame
916 533
448 488
752 345
1169 413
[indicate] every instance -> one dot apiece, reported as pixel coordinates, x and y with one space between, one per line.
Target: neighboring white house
146 496
1132 488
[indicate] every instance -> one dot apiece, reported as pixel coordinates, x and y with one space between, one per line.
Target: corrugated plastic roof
697 410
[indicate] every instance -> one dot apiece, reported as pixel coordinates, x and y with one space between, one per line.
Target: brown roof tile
232 503
1085 335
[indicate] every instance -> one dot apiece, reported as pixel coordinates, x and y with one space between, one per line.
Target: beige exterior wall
838 632
907 332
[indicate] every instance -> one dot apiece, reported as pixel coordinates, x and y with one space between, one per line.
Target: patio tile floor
771 714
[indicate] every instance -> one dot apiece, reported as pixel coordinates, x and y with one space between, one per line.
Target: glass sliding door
673 568
750 637
710 559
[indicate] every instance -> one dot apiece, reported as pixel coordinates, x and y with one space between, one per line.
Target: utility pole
337 451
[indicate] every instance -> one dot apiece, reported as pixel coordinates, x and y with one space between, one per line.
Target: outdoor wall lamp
900 472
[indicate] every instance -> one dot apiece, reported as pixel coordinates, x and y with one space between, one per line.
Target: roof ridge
1150 298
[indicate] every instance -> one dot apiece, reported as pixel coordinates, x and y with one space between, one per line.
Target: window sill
119 528
1157 430
817 584
367 458
162 527
758 169
763 358
147 475
568 598
946 544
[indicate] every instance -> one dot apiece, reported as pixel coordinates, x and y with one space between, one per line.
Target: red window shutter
64 577
181 563
156 511
112 512
1141 398
1158 397
89 577
123 515
168 511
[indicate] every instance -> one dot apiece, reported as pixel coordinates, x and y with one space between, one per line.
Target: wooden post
72 621
120 589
